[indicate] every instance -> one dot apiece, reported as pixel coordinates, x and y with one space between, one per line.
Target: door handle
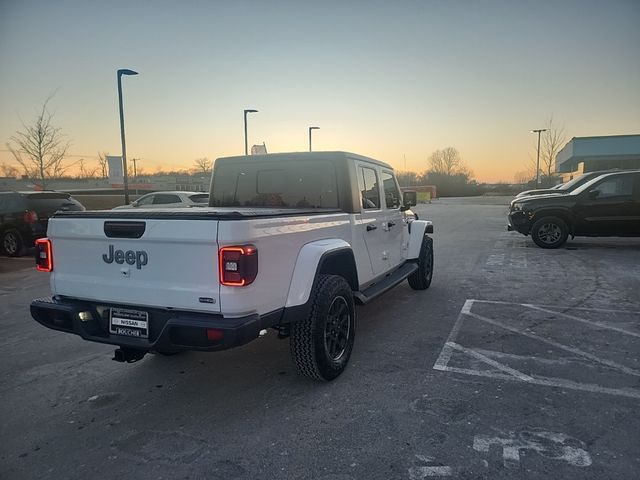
371 227
391 224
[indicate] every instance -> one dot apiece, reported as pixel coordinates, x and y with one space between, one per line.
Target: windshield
586 186
300 184
571 184
199 198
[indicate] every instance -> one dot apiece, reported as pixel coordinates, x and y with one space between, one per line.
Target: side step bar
387 283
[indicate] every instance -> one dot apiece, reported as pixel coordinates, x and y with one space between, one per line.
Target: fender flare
309 261
417 232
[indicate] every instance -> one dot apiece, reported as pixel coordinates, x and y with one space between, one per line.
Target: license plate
131 323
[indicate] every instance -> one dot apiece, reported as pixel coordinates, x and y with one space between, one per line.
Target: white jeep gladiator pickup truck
289 241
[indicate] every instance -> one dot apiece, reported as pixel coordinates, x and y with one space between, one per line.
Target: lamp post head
314 128
250 111
539 130
126 71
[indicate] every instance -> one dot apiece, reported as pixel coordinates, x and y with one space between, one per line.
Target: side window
163 199
146 200
618 186
369 190
391 192
10 202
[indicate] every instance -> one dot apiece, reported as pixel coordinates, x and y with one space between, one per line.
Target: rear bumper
169 330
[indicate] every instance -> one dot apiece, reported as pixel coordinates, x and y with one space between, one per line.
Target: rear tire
421 278
549 232
12 243
321 344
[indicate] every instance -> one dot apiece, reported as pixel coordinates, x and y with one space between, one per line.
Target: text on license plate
132 323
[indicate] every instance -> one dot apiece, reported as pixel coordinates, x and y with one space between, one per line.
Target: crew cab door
393 224
371 221
610 207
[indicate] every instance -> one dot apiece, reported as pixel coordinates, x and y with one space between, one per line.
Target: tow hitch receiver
129 355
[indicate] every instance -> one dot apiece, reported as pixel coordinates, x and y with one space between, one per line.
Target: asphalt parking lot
518 362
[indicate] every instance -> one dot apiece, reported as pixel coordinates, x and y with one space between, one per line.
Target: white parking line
442 363
588 309
582 320
547 382
446 352
561 346
524 358
493 363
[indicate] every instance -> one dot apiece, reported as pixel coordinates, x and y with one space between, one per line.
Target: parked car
175 199
24 217
567 187
608 205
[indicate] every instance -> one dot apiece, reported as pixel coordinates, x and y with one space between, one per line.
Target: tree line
40 149
447 171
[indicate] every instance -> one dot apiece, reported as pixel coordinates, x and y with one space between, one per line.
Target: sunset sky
386 79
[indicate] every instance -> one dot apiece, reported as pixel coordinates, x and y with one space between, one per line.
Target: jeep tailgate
155 262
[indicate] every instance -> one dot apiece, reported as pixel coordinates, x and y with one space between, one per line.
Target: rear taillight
44 255
30 216
238 265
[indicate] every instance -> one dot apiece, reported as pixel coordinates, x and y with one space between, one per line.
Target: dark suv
568 187
606 206
24 217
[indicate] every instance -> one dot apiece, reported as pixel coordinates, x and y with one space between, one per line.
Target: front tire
321 344
421 278
12 243
549 232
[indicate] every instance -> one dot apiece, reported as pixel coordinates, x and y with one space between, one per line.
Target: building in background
587 154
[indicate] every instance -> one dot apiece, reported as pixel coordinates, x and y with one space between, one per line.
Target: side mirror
134 203
593 194
409 199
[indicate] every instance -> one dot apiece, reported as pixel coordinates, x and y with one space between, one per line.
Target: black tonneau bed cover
199 213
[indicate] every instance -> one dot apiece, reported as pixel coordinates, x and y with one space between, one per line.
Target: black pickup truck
607 206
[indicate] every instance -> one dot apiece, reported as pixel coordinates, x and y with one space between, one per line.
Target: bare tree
524 176
8 171
133 172
553 141
86 172
447 162
40 148
103 164
203 165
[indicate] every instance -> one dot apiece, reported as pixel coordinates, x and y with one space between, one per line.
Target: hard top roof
290 156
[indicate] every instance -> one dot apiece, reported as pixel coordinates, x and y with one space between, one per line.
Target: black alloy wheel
12 243
337 328
549 232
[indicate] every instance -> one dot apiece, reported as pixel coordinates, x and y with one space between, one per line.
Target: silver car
169 200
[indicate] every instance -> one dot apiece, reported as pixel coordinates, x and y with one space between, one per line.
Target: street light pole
311 128
123 71
538 131
246 144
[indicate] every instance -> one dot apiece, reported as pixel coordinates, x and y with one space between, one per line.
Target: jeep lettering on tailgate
139 257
